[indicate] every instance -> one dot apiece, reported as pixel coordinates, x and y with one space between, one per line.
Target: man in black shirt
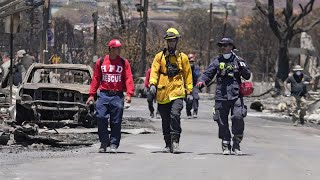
298 81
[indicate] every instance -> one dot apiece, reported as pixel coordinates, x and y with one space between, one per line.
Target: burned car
55 93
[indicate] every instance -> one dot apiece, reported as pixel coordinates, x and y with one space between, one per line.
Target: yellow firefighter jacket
169 89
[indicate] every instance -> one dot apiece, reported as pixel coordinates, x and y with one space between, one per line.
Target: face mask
227 56
298 76
298 73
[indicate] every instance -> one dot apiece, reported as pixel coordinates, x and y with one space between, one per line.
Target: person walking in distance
112 76
150 96
171 81
228 69
298 81
194 104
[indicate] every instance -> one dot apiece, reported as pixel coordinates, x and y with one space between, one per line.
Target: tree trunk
283 66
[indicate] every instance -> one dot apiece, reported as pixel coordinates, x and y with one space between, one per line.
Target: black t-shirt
298 88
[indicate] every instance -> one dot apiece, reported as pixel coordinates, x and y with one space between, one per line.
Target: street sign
50 36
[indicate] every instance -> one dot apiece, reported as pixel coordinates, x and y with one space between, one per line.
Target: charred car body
55 93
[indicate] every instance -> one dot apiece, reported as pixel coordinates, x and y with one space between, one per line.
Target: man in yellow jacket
171 81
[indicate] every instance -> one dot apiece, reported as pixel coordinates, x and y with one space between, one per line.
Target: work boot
189 115
113 148
175 143
103 148
295 123
226 147
175 147
152 115
195 114
166 149
167 140
236 149
158 115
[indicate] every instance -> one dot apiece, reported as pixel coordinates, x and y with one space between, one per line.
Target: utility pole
95 18
120 14
209 43
210 35
11 58
225 22
43 43
144 37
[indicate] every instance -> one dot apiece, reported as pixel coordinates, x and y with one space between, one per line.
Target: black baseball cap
226 41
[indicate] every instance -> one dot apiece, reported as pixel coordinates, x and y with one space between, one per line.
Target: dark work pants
109 107
194 104
222 109
170 115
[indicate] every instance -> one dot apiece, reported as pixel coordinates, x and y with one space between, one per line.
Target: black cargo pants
170 115
238 112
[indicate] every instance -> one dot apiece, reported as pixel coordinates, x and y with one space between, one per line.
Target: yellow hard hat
172 33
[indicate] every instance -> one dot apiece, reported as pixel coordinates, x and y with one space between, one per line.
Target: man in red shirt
112 76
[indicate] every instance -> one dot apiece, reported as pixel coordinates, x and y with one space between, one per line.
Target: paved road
272 151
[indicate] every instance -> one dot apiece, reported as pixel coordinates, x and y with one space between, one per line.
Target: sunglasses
223 45
171 40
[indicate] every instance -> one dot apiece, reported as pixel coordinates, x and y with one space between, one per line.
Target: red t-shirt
112 75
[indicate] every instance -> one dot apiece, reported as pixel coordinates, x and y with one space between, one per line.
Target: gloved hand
189 97
229 67
153 89
200 84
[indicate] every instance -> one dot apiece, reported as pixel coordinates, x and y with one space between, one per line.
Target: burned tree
285 29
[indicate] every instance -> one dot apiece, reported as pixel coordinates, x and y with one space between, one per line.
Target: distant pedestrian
299 82
194 104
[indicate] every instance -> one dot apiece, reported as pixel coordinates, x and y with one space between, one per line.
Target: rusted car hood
84 89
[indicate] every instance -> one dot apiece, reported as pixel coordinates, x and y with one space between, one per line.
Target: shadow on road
118 152
179 152
220 154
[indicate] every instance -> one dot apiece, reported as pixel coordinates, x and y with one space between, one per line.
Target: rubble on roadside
282 105
32 137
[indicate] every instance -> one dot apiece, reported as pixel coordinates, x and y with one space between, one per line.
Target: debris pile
28 134
283 106
32 137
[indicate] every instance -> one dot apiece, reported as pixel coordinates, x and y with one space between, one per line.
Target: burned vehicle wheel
55 94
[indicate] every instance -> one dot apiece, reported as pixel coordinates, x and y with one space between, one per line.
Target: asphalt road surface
273 150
